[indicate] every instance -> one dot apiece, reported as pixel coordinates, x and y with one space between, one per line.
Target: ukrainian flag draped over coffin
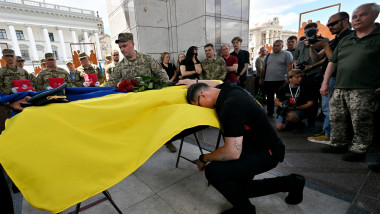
61 154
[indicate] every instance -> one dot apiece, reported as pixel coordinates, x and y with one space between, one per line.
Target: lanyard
294 98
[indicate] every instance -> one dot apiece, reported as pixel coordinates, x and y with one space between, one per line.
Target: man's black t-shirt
243 57
304 94
240 115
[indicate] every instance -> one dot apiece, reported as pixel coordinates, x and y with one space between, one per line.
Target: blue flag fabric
72 94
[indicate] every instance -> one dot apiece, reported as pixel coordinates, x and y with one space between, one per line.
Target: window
55 54
25 54
3 34
51 36
20 35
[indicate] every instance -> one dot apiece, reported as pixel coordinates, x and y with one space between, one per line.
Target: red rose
123 85
134 82
129 87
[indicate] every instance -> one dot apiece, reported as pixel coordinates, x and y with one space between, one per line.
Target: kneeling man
251 147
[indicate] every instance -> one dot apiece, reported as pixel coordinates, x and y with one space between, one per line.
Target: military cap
19 58
57 95
42 61
69 61
124 37
108 58
8 52
82 55
49 56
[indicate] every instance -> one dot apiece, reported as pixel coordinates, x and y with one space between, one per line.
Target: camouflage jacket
42 79
109 68
213 70
81 71
7 75
143 65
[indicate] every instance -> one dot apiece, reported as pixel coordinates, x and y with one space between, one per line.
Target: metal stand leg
179 152
199 145
77 208
219 136
108 196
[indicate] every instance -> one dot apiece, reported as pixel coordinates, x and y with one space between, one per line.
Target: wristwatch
201 159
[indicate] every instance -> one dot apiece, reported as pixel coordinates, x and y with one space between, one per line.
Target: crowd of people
342 75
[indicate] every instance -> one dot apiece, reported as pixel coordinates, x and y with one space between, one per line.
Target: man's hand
321 43
307 67
377 90
187 82
86 84
325 90
201 166
17 104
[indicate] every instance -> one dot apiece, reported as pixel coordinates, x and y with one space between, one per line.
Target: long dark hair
190 54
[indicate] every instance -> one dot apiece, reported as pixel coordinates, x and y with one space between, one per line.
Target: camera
301 65
312 36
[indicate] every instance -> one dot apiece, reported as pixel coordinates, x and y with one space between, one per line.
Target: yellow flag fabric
61 154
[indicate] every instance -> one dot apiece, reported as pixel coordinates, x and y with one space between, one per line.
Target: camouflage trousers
352 114
5 112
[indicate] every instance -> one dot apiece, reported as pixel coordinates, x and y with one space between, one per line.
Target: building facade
33 28
175 25
266 34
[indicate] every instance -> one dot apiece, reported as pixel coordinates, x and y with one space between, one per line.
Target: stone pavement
333 186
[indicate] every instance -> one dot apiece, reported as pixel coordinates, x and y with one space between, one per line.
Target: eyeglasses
50 59
199 97
115 55
332 24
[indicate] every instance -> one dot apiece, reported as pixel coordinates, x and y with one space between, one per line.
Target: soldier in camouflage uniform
134 63
109 68
11 72
214 67
353 103
51 71
87 68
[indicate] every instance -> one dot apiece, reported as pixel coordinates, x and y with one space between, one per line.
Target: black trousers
233 179
6 204
271 87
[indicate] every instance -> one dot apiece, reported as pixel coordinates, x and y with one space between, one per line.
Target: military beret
108 58
69 61
124 37
49 56
42 61
8 52
19 58
82 55
56 95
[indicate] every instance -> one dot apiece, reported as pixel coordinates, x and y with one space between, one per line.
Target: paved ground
333 186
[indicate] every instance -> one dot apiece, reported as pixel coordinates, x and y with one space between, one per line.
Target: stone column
86 40
32 42
62 42
98 50
267 36
47 40
75 40
15 45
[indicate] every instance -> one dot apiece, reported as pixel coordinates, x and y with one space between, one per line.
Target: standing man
291 44
338 24
11 72
134 63
214 67
231 64
276 65
87 68
71 67
353 103
251 147
260 68
243 60
109 68
51 71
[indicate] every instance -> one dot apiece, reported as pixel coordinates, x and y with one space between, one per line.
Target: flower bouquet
141 83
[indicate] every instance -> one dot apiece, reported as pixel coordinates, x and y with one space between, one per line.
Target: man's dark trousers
234 179
271 87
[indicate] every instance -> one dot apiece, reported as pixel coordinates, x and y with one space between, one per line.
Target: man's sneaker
295 195
354 157
334 149
171 147
320 139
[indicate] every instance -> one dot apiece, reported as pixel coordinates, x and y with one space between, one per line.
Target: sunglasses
332 24
115 55
50 59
